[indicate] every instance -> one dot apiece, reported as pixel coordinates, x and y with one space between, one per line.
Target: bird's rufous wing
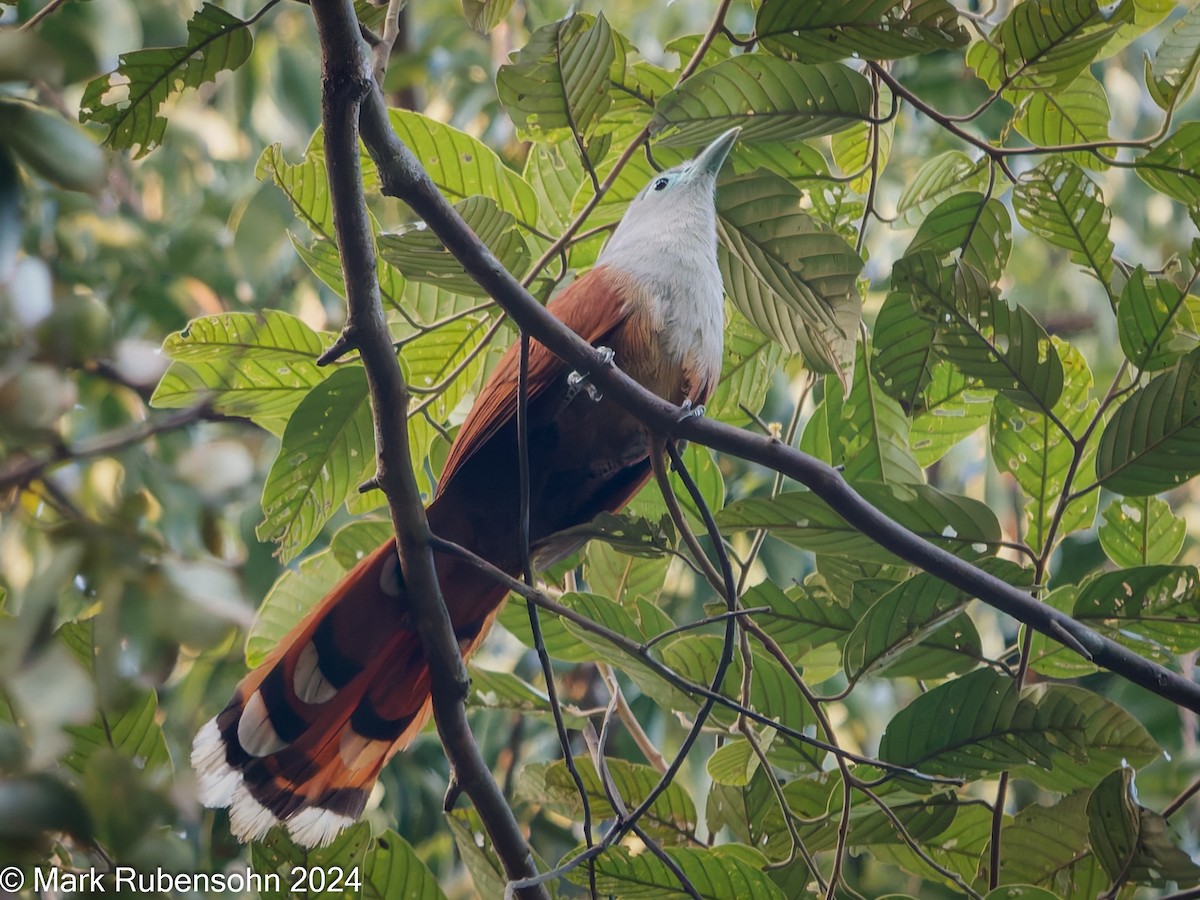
593 307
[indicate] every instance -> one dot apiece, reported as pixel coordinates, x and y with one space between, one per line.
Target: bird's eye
661 183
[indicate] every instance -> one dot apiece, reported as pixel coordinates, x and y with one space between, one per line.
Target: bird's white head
674 217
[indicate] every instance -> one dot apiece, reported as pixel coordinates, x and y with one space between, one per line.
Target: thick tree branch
403 177
346 82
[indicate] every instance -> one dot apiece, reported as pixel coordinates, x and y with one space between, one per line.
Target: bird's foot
581 381
690 412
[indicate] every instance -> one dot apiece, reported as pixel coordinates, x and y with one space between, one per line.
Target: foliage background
133 555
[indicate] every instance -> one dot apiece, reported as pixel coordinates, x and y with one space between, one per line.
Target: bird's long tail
307 733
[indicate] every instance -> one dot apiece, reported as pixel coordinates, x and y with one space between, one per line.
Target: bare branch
346 84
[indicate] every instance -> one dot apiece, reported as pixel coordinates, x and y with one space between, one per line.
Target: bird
306 733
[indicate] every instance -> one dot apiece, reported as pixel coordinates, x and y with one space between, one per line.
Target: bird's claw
580 381
690 412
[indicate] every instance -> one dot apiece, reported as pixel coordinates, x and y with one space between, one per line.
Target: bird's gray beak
712 157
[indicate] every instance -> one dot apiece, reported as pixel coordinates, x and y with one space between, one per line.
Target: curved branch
403 177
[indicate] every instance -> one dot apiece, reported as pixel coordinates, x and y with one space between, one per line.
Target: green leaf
1113 823
1032 447
1157 859
952 407
865 432
672 815
1111 737
1159 604
556 177
293 594
305 184
134 733
1154 322
1003 347
1045 44
958 848
792 276
909 613
393 869
1060 203
771 99
877 29
1141 531
462 166
128 99
943 176
477 852
484 15
979 724
504 690
950 649
328 449
975 228
1149 445
736 762
862 150
560 80
257 365
1173 74
902 344
1047 846
420 255
1050 657
747 371
806 616
1173 167
959 524
624 578
276 854
1078 114
725 872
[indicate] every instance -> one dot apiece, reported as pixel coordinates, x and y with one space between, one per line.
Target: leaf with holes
771 99
974 228
1060 203
1144 604
328 449
1141 531
952 407
1035 450
1045 44
1172 75
127 100
1154 322
792 276
1003 347
959 524
560 80
1173 167
877 29
1149 445
506 691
